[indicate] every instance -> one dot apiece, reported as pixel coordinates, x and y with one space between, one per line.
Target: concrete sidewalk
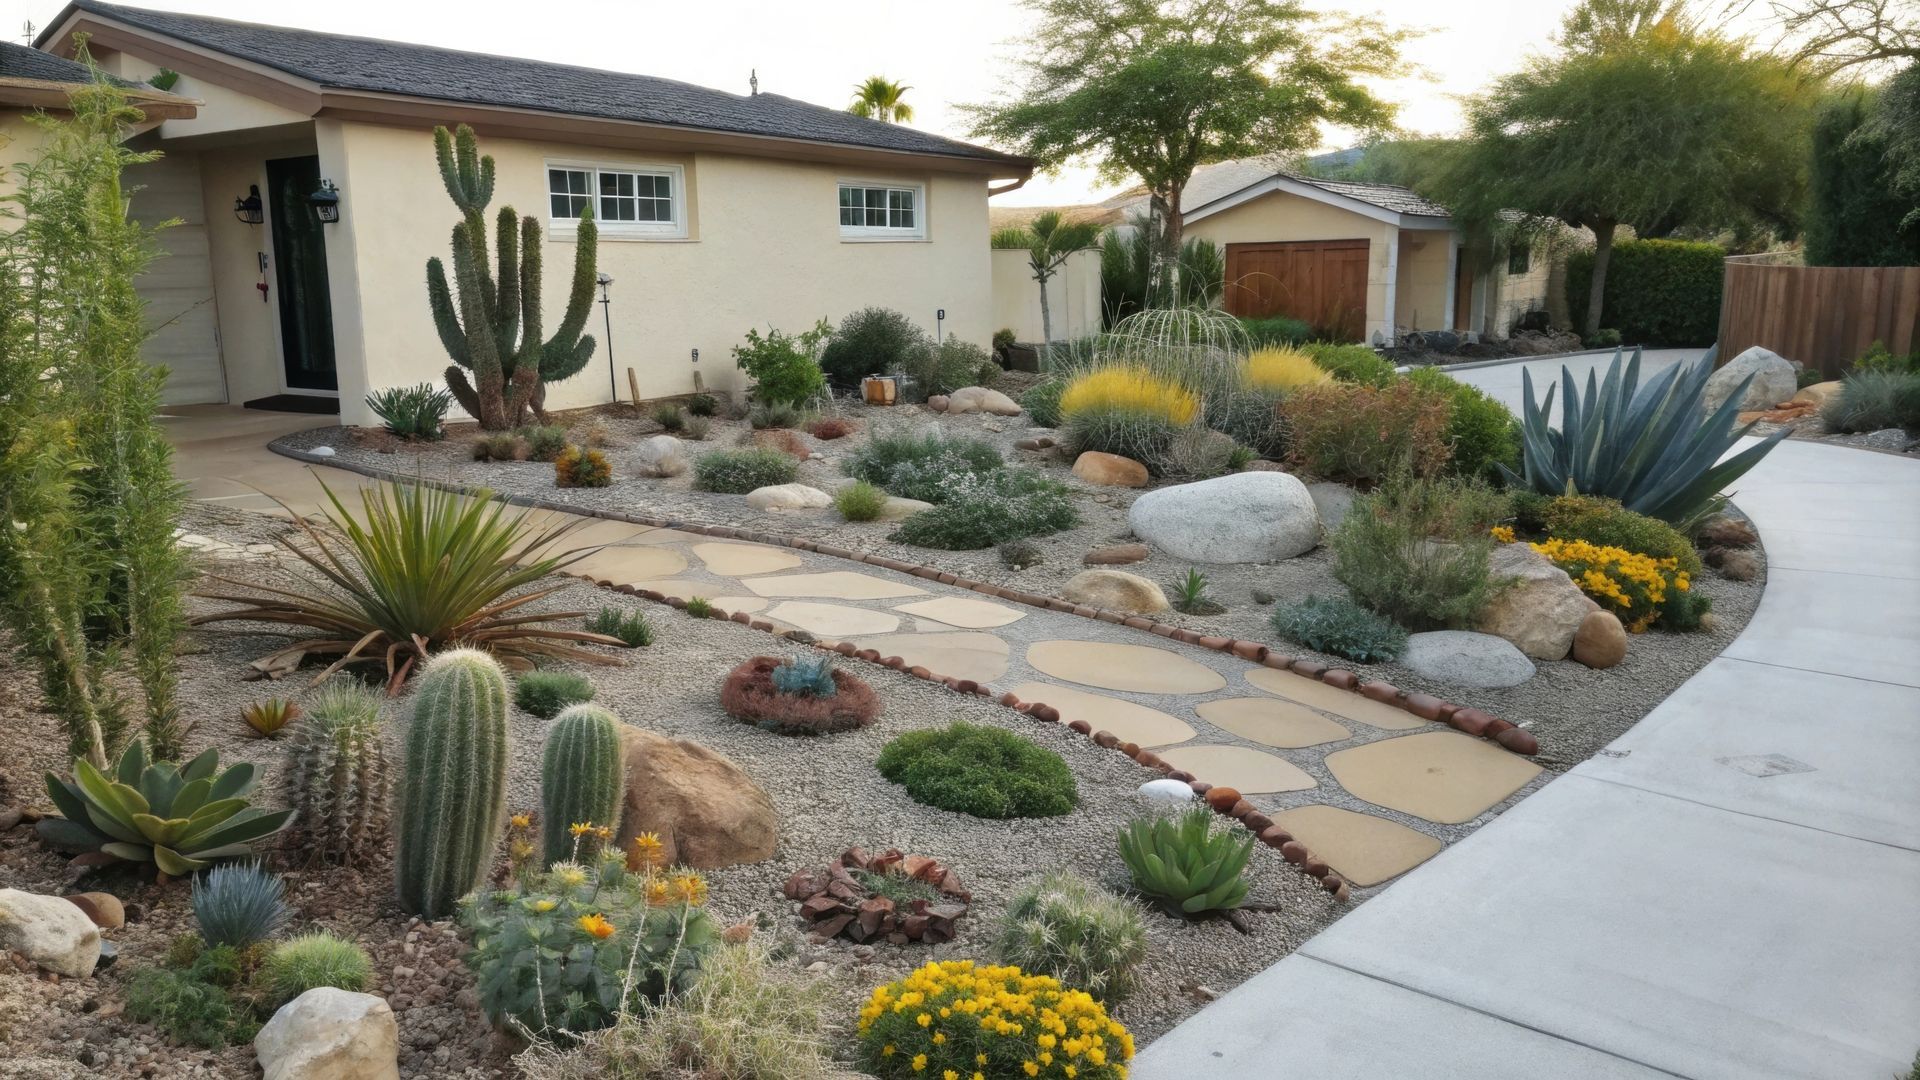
1729 890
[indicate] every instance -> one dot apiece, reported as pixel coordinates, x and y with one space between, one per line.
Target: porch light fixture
249 208
325 202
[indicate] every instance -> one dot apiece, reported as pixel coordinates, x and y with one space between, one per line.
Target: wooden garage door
1321 282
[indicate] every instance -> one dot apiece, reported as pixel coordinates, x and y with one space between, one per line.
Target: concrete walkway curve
1728 891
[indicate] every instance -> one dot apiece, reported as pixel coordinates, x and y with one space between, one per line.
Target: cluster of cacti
582 776
492 329
336 776
454 798
1182 863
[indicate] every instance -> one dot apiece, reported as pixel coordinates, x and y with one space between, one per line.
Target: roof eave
1281 183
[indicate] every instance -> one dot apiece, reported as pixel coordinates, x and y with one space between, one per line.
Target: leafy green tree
880 98
1639 118
1154 89
1049 240
1858 213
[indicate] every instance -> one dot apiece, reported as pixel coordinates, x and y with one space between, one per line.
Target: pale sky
813 50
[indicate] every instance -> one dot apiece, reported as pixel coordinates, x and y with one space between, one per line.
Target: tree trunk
1046 310
1597 289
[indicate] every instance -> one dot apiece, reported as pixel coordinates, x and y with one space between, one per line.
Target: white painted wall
1073 293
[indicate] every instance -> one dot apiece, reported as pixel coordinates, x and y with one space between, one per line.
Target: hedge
1659 292
1853 216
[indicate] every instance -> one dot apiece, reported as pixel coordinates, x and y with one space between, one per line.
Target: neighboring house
1367 262
718 212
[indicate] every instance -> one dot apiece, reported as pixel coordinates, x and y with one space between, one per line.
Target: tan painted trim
41 94
267 84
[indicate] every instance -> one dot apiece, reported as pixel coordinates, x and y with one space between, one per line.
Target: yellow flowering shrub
954 1020
1635 587
1283 370
1132 390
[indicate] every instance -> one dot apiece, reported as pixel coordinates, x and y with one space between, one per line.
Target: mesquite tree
493 328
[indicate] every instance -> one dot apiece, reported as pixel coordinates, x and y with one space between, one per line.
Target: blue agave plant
811 676
1647 446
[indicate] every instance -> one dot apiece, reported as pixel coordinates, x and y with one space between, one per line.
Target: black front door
300 267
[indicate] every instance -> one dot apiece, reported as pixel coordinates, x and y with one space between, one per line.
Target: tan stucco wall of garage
1278 217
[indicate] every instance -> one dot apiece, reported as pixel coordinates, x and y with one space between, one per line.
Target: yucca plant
181 818
1649 447
1183 864
419 570
268 717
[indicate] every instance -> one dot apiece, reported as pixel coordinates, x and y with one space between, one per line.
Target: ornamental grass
1128 390
956 1019
1283 370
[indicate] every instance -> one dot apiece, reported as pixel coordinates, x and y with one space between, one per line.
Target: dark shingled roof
1386 196
20 62
391 67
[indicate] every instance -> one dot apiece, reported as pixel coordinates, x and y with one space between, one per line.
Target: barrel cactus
454 798
336 776
581 777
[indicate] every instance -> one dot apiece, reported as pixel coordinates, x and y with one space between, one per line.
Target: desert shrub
1277 330
699 607
1065 926
238 904
1200 452
1283 370
1351 363
316 959
697 428
868 342
1605 522
802 696
1363 434
1340 627
1186 865
668 415
1529 510
1042 402
1873 400
941 369
1638 588
921 466
1416 550
1658 292
1190 594
859 501
412 412
630 626
832 427
1481 432
782 365
544 693
984 509
736 472
501 446
705 405
1604 338
581 468
987 772
187 1010
955 1018
545 442
775 415
1878 358
1125 410
1020 554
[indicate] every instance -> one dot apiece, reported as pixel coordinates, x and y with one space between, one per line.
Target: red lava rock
1310 668
1345 680
1082 727
1240 810
1273 836
1256 822
1471 721
1181 775
1519 740
1380 691
1222 799
1424 706
1250 650
1046 713
1217 644
819 907
1137 622
1294 852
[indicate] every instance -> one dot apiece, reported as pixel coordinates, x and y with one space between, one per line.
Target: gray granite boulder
1248 517
1773 381
1464 658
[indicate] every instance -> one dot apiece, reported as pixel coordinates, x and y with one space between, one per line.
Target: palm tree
1048 240
879 98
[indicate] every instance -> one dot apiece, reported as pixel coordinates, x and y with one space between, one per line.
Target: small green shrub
1603 338
870 341
668 415
809 676
1190 594
766 415
1875 399
896 886
1480 430
697 428
859 501
630 626
984 509
187 1010
1351 363
238 904
412 412
703 405
1880 358
736 472
1416 550
501 446
922 467
1042 402
1363 434
1604 521
782 365
1252 418
1185 864
1340 627
544 441
987 772
316 959
941 369
545 693
1808 376
577 467
1659 292
1276 330
699 607
1065 926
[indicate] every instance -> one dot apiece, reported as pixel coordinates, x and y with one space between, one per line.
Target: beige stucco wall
1073 294
1516 294
220 110
1420 293
19 142
1278 217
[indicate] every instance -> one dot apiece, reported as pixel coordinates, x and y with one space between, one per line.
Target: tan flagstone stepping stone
739 560
593 532
962 612
720 594
1364 849
1253 772
965 655
834 585
1275 723
832 620
1141 669
1344 703
623 566
1131 722
1441 776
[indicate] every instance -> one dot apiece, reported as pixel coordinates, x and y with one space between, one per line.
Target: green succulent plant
1183 864
181 818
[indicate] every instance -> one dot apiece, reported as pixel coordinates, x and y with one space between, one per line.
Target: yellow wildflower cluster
1282 370
1134 390
1502 533
1631 585
955 1020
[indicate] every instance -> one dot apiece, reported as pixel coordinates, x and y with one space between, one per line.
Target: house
717 211
1361 261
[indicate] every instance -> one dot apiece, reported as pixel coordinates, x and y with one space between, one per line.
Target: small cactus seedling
266 718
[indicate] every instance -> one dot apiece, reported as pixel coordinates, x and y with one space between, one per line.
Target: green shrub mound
1042 402
1416 550
412 412
983 510
922 467
1276 330
860 501
946 367
1481 431
1339 627
987 772
188 1010
1363 434
546 693
317 959
1874 400
870 341
736 472
1604 521
783 366
1351 363
1659 292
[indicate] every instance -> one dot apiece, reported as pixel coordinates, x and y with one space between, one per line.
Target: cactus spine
493 329
581 777
336 777
454 797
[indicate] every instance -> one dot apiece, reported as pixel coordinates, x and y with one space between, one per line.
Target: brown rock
1601 642
706 810
1520 741
1116 555
1115 590
103 908
1471 721
1724 531
939 402
1734 564
1222 799
1818 394
1109 470
1541 610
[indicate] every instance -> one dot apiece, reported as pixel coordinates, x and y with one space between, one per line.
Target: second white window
882 211
625 201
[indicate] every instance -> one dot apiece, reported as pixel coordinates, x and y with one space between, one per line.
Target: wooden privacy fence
1822 316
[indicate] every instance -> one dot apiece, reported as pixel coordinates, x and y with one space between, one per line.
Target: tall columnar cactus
454 795
336 777
493 329
582 775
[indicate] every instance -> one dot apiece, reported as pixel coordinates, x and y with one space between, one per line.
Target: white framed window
627 200
882 211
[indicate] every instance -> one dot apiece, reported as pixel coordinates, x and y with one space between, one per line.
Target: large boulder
1464 658
1773 381
661 455
1541 610
51 932
1249 517
788 497
971 399
1109 470
1114 590
705 810
330 1034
